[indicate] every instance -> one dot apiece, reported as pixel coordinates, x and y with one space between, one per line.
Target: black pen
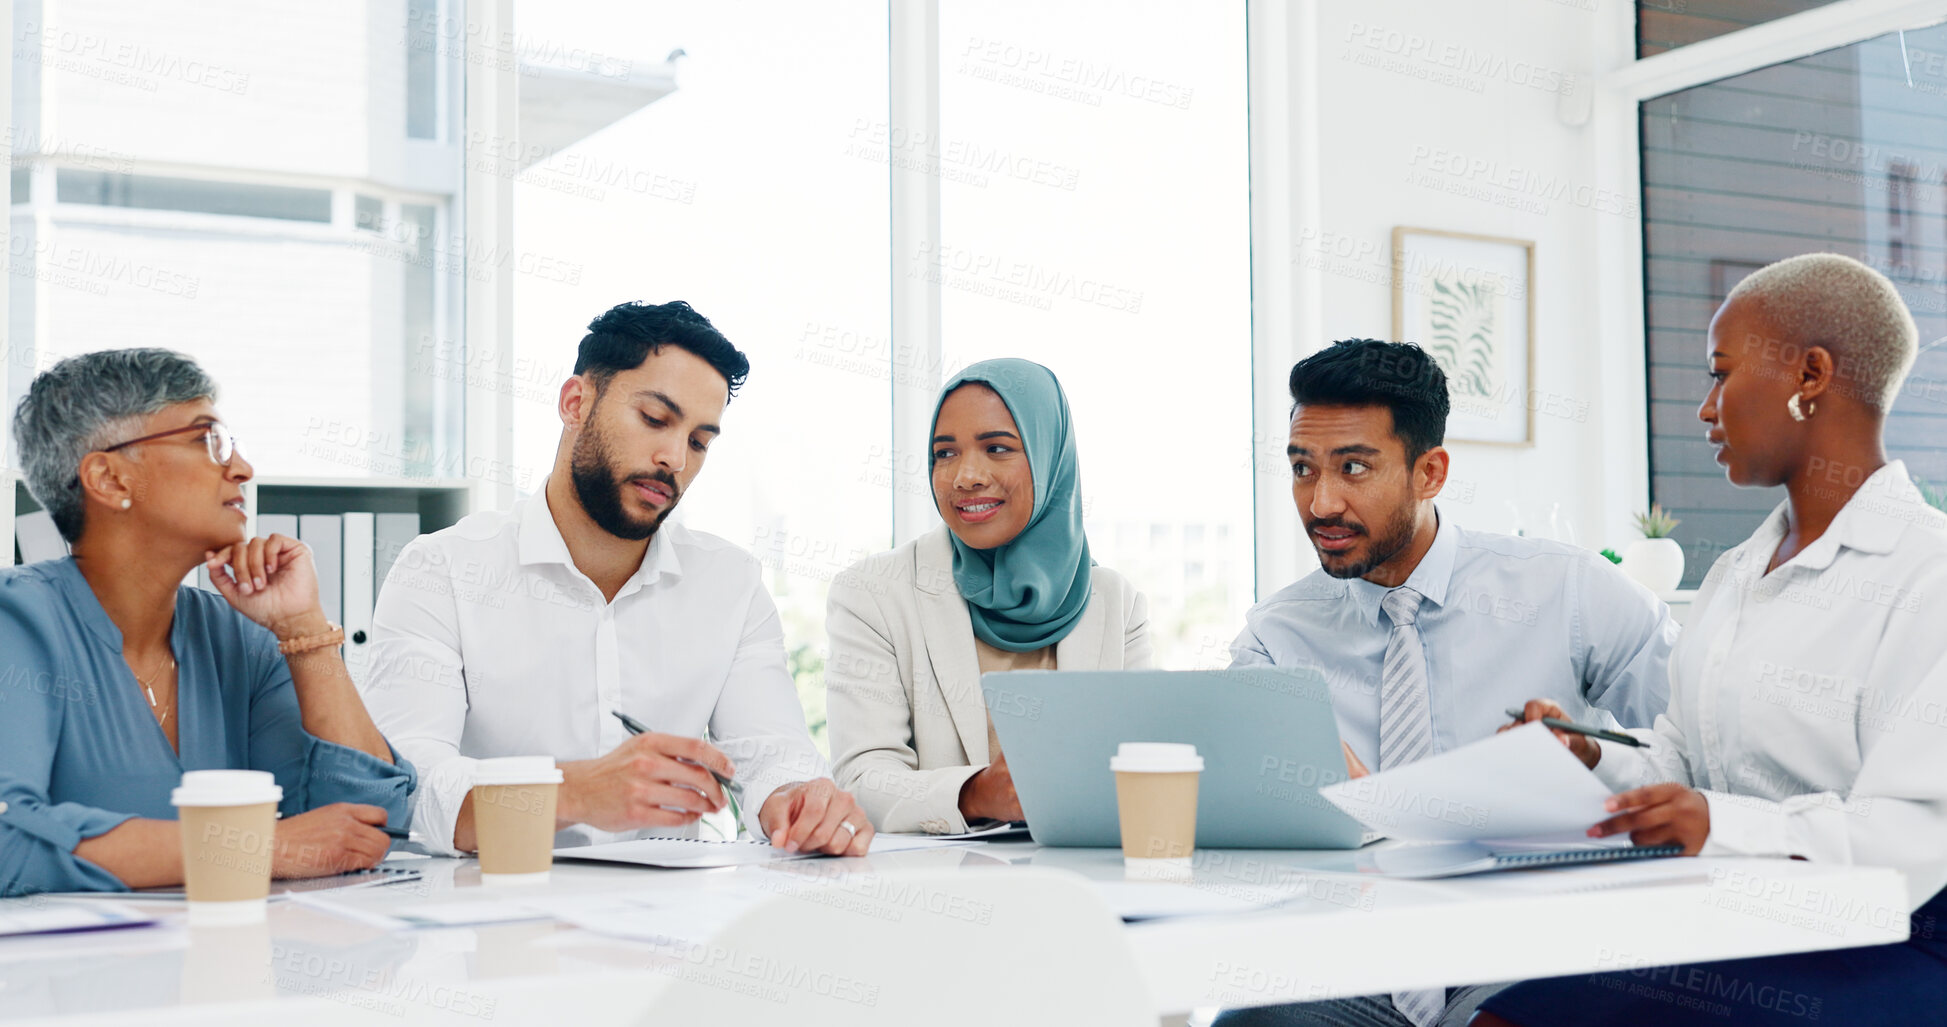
390 832
636 727
1573 728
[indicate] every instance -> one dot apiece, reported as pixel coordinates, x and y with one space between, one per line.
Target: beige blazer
907 720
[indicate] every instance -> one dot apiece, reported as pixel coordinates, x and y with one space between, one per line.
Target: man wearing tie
1427 632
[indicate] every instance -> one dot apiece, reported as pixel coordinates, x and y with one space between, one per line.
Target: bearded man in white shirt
523 632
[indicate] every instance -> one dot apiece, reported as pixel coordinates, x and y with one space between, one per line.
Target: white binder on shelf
392 531
269 524
325 534
359 592
38 538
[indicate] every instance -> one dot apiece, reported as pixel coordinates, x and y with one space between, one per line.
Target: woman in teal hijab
1006 583
1025 572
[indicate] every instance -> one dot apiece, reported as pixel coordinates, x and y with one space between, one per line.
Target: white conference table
1337 934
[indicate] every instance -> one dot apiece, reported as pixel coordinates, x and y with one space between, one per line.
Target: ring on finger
847 825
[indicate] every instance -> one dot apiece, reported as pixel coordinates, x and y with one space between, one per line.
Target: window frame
913 111
1283 131
9 473
1616 112
484 427
1283 142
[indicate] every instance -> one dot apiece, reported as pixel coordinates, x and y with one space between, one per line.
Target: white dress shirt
487 641
1506 619
1809 705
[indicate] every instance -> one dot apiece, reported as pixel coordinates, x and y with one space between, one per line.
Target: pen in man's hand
1571 727
636 727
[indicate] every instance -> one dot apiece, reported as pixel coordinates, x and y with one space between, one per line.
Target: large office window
1064 238
1668 24
287 208
1843 151
717 159
1095 217
277 204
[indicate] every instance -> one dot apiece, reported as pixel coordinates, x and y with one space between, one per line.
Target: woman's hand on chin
271 581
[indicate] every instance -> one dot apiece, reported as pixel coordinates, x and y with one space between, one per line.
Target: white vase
1655 563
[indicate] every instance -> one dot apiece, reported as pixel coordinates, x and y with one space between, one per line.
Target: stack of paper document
675 919
460 913
38 914
702 853
1515 799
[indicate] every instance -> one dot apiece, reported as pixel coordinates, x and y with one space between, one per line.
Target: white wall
1445 116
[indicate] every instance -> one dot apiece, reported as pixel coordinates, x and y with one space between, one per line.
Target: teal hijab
1030 592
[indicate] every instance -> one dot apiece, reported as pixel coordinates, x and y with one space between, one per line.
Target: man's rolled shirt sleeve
416 690
1626 635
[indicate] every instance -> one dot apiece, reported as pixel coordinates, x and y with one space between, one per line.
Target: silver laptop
1267 737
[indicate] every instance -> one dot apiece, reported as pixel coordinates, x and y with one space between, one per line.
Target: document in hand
1520 796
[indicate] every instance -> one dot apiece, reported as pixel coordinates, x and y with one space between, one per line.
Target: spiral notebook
1455 859
681 853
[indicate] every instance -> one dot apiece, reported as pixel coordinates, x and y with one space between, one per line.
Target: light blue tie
1405 726
1405 735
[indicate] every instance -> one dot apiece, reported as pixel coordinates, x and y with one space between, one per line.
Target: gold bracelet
306 643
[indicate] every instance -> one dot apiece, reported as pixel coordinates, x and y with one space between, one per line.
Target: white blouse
1809 705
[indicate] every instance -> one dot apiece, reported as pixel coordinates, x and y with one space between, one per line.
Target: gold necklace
154 706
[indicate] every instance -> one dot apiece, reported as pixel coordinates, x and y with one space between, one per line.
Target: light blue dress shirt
1506 619
80 751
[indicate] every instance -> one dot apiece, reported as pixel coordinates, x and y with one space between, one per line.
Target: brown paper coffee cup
229 821
513 817
1156 800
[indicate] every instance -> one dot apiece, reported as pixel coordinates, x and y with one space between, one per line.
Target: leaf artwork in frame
1464 321
1468 300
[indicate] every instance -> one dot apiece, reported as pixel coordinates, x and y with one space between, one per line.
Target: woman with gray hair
1806 694
116 679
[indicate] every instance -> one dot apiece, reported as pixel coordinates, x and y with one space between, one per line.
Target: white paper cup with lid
513 818
229 824
1156 802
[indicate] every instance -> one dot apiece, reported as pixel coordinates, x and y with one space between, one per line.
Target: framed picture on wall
1469 301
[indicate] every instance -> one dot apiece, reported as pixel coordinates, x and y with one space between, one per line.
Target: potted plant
1655 560
1935 495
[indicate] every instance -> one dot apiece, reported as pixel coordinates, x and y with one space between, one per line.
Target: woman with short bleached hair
1804 694
116 679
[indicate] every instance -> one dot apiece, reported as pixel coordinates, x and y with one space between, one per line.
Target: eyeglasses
217 436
